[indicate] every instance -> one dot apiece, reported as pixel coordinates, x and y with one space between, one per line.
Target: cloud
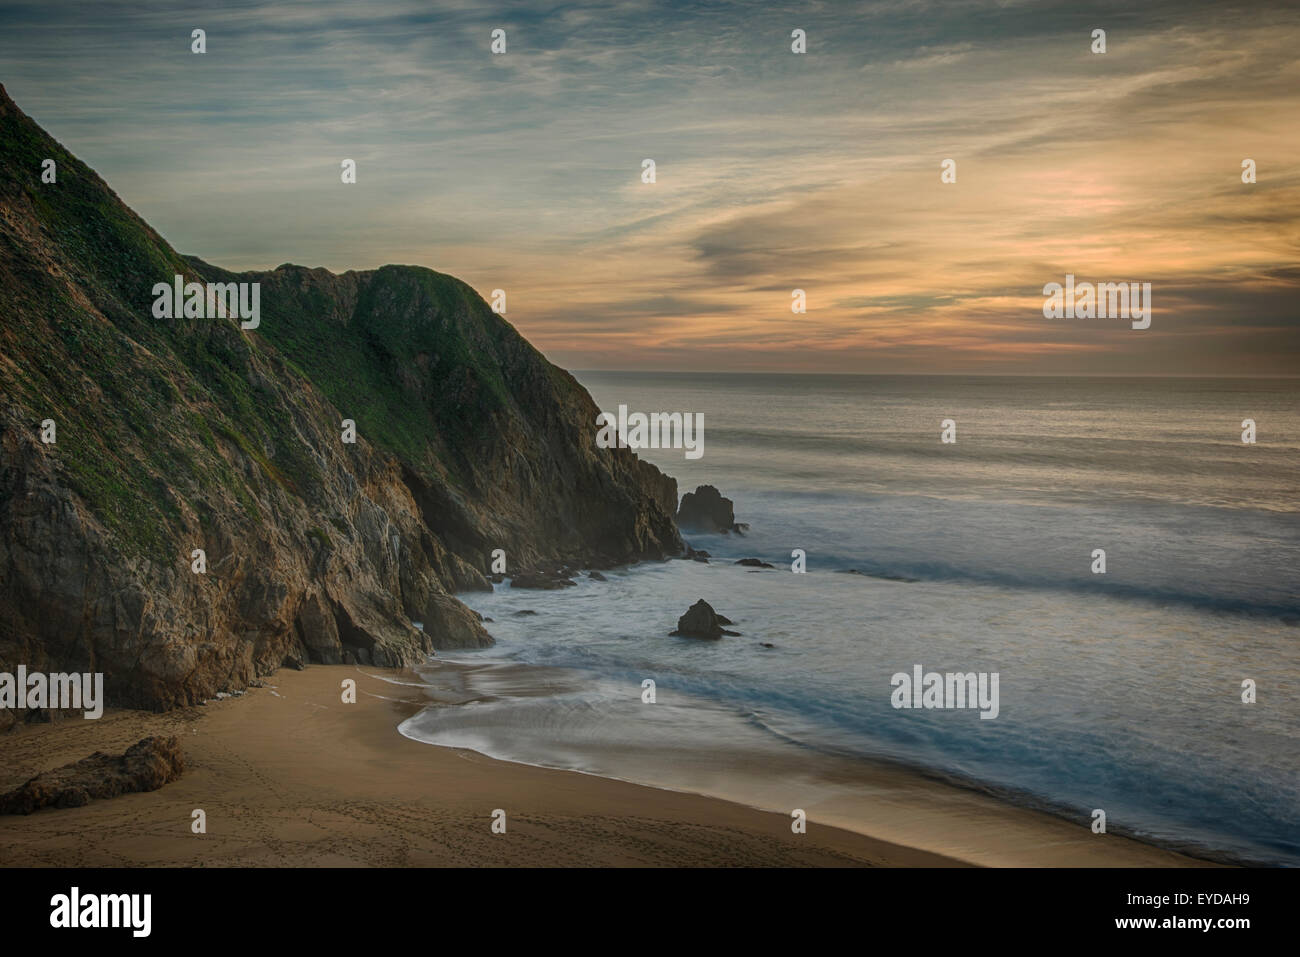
775 171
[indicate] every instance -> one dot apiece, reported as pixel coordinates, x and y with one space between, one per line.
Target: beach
290 776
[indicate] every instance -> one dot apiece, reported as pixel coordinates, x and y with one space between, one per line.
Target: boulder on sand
146 766
701 621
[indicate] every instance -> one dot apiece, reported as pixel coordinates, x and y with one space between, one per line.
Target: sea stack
701 621
706 510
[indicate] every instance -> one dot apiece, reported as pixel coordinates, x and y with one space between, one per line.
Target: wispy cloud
775 171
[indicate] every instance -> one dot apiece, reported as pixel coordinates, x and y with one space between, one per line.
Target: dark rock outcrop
706 510
701 621
880 575
146 766
545 581
190 433
753 563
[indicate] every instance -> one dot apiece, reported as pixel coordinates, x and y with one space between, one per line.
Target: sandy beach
288 775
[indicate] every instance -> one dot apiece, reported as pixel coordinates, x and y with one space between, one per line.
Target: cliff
190 433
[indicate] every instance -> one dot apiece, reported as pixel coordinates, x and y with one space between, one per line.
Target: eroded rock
706 510
146 766
701 621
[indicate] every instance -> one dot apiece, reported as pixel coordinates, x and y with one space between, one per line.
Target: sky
774 171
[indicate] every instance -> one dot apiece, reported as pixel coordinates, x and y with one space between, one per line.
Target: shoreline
288 775
872 796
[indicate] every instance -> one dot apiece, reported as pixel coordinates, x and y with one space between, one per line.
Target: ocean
1119 691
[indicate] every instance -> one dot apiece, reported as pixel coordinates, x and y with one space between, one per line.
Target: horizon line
923 375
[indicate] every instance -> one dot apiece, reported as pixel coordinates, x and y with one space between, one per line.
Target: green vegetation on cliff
182 433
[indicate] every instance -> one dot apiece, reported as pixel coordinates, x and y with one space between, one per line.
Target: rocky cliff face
179 434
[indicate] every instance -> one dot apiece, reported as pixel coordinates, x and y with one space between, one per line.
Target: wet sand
289 775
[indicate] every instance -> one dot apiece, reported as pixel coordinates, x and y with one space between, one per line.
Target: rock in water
701 621
705 510
146 766
545 581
